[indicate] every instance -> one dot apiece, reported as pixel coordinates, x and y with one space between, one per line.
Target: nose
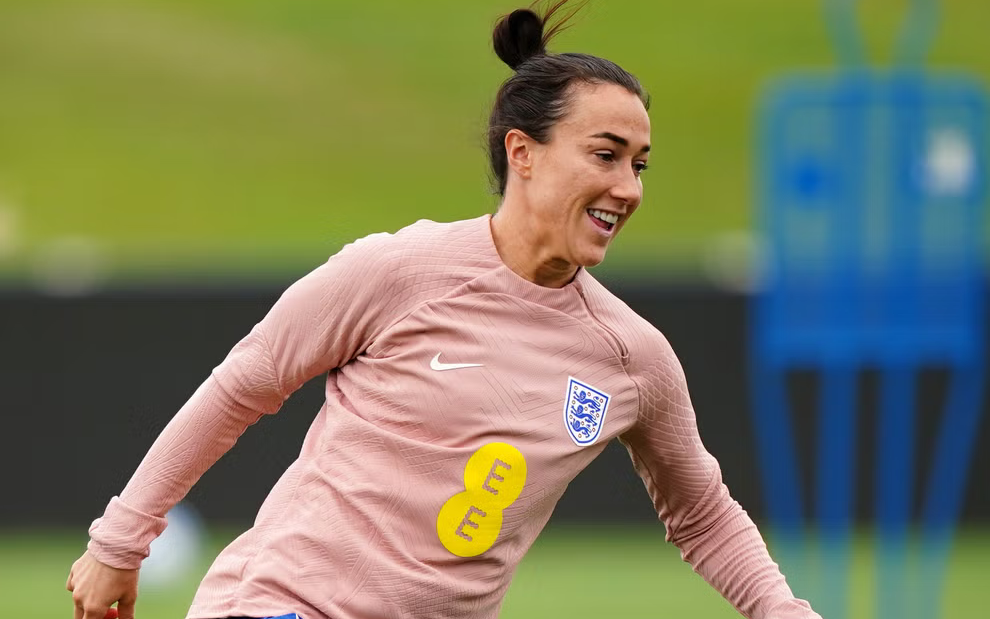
627 188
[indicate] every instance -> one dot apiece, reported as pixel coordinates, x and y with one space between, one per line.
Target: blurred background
168 167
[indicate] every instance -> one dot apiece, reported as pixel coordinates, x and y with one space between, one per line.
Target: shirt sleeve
321 322
714 534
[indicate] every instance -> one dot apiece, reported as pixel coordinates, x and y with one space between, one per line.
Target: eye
640 167
606 156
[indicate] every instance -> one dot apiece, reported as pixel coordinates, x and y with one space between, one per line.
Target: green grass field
252 138
577 573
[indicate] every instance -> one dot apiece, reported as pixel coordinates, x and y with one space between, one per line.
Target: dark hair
537 95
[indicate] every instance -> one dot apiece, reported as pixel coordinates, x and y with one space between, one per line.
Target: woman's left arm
715 535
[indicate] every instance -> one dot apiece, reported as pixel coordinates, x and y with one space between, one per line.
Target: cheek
560 195
568 188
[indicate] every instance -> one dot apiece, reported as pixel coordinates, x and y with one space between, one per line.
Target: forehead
596 108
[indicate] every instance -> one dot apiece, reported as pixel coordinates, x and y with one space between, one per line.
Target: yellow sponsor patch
470 521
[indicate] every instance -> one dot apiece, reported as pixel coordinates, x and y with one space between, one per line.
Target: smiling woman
567 197
473 369
567 139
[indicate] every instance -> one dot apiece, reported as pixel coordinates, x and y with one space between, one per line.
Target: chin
591 260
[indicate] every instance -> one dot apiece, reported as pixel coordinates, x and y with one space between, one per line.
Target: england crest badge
584 411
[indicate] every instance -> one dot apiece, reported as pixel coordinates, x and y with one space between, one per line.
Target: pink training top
461 400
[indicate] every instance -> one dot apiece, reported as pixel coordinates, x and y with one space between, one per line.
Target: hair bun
518 37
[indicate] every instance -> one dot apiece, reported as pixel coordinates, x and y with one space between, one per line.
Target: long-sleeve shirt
461 399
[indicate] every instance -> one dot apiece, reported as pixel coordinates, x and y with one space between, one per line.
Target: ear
519 150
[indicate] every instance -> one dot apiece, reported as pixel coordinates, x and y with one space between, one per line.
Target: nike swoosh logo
440 367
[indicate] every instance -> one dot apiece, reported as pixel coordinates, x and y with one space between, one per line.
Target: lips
604 220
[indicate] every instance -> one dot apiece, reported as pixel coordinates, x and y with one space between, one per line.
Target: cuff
122 537
793 609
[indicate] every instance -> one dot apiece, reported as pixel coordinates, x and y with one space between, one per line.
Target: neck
526 249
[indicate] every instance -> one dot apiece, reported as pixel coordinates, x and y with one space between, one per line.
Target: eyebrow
618 139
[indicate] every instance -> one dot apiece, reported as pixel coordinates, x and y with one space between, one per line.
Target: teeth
606 217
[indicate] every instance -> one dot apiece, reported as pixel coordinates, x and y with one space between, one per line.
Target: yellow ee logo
470 521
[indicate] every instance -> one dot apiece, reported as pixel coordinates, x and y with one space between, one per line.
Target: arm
321 322
684 481
238 392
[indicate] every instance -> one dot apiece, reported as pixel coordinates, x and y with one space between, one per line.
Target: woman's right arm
240 390
321 322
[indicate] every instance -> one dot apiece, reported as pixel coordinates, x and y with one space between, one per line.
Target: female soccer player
473 369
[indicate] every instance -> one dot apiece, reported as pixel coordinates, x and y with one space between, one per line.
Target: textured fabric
443 444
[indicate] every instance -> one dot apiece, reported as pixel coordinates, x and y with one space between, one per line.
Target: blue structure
872 188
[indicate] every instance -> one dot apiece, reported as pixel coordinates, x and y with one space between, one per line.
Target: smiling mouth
605 221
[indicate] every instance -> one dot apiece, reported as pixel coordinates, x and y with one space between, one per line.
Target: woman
474 368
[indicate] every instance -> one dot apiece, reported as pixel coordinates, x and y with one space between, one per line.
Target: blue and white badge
584 411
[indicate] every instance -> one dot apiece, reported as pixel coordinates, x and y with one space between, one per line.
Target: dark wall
87 384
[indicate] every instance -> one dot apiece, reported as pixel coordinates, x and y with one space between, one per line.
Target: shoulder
421 261
639 335
652 362
373 282
423 241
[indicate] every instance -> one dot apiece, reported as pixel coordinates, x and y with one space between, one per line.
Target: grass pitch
577 573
